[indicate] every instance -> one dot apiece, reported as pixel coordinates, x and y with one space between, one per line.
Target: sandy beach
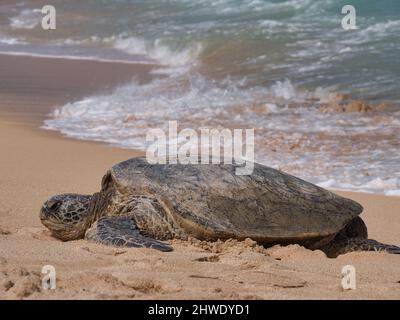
36 164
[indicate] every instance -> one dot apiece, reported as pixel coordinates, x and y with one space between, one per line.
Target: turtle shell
211 201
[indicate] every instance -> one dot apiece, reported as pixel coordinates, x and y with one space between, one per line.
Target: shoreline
38 163
75 58
30 87
99 77
96 77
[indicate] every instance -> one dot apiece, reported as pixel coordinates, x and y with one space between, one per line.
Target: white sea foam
72 57
389 187
374 32
285 90
382 27
134 107
160 52
326 152
10 40
393 193
26 19
261 40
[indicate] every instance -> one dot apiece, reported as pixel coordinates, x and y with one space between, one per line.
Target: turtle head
67 216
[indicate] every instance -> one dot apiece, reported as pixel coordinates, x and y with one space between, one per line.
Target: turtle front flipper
122 232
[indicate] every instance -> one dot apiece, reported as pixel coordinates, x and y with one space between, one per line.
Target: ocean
269 65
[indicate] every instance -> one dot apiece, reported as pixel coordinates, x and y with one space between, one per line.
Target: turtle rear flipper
122 232
341 246
372 245
354 237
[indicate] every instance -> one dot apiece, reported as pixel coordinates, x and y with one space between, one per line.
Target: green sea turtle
141 204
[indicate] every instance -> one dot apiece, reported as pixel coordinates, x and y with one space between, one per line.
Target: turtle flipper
122 232
354 237
342 246
357 244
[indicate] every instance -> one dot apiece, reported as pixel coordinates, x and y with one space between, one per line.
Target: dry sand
36 164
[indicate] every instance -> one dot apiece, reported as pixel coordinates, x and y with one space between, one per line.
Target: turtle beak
52 204
48 208
43 213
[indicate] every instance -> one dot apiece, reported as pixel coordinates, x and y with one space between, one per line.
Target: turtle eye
53 204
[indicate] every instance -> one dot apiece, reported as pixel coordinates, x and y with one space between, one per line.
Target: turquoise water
267 65
264 40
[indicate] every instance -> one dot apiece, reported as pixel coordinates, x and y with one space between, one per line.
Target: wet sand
30 87
36 164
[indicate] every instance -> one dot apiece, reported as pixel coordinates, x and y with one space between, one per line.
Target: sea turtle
140 204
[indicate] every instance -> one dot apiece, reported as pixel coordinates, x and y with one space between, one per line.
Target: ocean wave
378 28
169 59
26 19
133 108
6 40
375 32
224 7
388 187
72 57
291 134
180 58
284 60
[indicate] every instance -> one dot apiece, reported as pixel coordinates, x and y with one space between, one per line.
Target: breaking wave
26 19
292 134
